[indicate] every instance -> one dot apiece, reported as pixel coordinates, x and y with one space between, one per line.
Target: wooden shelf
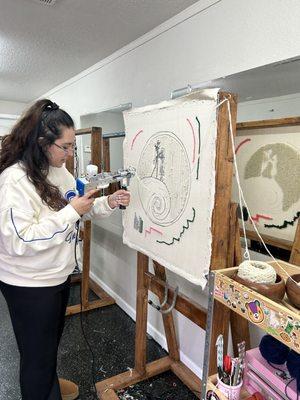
268 123
271 240
279 319
211 386
276 319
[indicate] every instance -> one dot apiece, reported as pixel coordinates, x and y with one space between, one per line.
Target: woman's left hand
119 198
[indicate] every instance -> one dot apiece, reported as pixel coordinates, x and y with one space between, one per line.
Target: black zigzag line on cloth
181 233
286 223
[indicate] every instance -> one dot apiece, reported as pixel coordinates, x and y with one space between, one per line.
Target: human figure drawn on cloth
158 170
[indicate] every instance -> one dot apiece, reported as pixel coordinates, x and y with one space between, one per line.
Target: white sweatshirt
36 243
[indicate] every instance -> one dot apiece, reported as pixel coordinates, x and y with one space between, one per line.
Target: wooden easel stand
84 278
222 251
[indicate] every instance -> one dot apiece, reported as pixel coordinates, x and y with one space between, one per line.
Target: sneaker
69 390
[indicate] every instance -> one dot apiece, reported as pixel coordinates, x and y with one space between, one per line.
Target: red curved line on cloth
194 139
241 144
134 139
260 216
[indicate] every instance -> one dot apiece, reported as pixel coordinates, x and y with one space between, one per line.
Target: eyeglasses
65 149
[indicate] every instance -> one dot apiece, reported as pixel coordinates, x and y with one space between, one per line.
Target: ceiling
42 46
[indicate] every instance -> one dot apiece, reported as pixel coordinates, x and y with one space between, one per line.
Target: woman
37 239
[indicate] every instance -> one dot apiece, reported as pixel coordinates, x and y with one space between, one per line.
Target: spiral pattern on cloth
159 205
165 182
157 199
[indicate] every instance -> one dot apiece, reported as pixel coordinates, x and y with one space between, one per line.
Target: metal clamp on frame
159 307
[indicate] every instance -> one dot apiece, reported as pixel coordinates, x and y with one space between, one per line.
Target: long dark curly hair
28 143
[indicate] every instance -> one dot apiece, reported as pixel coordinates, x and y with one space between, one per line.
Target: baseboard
121 303
151 330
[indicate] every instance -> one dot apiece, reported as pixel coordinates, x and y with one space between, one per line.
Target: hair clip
54 106
51 107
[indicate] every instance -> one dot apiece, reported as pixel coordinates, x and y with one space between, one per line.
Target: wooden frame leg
141 315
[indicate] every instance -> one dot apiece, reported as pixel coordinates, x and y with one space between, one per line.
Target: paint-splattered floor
110 333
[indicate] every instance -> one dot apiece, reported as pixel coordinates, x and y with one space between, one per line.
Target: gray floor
110 333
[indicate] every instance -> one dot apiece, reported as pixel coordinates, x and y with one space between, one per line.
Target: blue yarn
278 353
273 350
293 366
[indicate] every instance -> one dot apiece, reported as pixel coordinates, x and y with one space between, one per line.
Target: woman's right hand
83 204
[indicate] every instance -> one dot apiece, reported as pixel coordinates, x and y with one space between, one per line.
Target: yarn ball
257 271
273 351
293 366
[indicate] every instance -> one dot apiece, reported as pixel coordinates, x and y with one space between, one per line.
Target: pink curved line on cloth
134 139
260 216
152 230
241 144
194 139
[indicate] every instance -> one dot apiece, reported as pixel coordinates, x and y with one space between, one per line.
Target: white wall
9 112
195 46
12 107
276 107
191 48
6 122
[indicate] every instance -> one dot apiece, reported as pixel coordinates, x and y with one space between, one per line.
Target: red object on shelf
227 364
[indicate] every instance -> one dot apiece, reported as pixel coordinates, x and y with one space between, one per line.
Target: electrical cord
286 388
287 384
94 392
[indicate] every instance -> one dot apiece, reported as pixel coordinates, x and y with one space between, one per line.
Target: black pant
38 316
